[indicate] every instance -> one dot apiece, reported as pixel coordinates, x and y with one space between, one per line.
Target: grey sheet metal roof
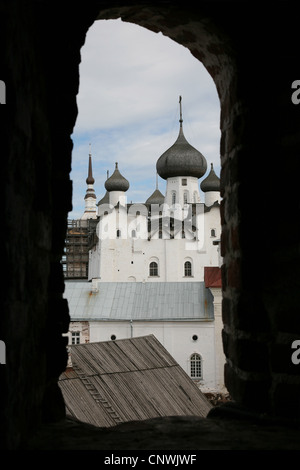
126 380
154 301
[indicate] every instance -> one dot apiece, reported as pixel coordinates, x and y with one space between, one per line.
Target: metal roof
156 197
116 182
139 301
127 380
211 182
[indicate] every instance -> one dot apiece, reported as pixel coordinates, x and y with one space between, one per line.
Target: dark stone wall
260 214
39 57
253 65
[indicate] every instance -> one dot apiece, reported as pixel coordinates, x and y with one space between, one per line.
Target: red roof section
212 276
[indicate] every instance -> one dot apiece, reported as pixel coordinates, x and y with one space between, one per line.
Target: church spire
180 110
90 211
90 179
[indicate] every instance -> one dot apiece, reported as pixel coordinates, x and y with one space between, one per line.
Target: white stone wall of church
176 337
127 259
212 234
175 186
211 197
218 326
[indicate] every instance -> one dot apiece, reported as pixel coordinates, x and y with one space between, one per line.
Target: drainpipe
131 329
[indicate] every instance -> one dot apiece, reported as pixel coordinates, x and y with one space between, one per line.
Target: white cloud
130 82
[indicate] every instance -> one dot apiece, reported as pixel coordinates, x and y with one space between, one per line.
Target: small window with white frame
75 337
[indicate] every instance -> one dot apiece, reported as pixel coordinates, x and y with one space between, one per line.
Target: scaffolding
75 260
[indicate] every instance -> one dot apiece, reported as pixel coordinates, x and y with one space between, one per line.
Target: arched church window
187 269
153 269
118 233
185 198
133 234
196 366
213 232
173 197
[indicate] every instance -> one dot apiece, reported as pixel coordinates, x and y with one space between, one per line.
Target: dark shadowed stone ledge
222 432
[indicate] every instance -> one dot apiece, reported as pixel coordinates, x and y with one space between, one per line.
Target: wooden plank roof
127 380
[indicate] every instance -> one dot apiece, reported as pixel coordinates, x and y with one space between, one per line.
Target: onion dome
211 182
116 182
156 198
181 159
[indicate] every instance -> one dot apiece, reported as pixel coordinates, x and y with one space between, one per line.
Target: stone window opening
187 269
153 269
185 198
75 337
196 366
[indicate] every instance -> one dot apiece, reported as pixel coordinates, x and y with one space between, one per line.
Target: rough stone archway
253 337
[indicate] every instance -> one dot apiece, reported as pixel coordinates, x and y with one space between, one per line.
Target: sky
128 108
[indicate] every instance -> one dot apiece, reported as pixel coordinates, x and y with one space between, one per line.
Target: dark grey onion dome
211 182
156 198
116 182
182 159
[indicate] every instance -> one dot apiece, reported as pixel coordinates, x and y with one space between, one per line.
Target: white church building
154 267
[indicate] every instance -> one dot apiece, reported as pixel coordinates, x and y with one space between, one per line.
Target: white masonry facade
154 267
